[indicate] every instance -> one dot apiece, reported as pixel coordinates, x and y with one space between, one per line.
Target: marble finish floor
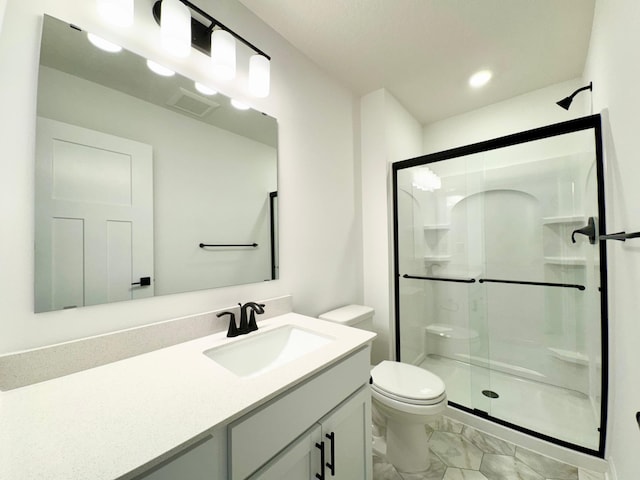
459 452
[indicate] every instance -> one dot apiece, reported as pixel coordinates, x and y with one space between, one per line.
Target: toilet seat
409 401
407 383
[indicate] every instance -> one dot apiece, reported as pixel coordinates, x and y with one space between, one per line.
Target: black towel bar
542 284
441 279
202 245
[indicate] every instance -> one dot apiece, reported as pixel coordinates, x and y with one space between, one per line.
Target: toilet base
407 447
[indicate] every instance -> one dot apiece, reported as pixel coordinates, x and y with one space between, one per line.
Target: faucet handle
233 329
255 308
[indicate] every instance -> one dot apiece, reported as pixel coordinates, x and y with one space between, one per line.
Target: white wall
612 65
320 231
524 112
388 134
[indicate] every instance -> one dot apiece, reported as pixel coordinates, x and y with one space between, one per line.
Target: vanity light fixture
480 79
116 12
223 54
203 89
103 44
175 27
219 41
160 69
566 102
259 76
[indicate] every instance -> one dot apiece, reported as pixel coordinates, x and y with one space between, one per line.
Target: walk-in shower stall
500 279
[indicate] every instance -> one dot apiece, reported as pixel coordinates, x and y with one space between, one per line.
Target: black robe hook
589 230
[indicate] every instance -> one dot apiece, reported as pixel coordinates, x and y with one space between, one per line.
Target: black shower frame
584 123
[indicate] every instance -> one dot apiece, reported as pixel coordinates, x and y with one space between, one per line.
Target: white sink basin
260 352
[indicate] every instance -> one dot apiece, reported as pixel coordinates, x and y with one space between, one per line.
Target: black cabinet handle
320 446
332 466
144 282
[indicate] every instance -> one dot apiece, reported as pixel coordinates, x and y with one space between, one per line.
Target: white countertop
105 422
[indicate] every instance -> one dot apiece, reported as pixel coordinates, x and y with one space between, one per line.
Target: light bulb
223 54
116 12
175 27
259 75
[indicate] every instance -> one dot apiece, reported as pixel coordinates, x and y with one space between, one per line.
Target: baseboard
611 474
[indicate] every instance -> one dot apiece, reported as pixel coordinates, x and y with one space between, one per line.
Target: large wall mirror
144 185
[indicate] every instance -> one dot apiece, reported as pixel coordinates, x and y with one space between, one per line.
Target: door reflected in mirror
134 171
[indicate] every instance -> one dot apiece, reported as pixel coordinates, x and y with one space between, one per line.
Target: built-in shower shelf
436 227
437 258
570 261
563 219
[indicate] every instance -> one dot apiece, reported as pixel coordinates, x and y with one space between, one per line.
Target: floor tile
503 467
545 466
461 474
455 451
435 472
384 471
488 443
449 425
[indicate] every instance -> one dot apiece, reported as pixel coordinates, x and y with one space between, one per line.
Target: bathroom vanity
300 406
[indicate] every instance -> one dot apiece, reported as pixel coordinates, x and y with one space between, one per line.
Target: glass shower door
501 279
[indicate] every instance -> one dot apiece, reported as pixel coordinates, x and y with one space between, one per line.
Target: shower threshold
550 410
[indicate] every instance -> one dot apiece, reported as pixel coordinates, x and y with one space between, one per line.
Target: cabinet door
299 461
346 433
206 460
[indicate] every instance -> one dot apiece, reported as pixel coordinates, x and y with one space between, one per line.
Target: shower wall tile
455 451
503 467
488 443
547 467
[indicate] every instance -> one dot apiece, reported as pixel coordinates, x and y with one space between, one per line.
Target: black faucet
249 325
233 329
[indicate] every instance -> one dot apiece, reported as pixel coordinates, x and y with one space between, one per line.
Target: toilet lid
406 381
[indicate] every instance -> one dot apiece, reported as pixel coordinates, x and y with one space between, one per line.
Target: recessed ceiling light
160 69
480 79
103 44
204 89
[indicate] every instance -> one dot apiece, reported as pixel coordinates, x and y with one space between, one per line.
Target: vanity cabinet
337 447
289 436
327 400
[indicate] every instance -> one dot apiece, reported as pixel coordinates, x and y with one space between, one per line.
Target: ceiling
423 51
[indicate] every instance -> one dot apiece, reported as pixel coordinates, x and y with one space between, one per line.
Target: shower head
566 102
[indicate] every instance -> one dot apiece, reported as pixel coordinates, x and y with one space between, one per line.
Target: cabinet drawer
257 437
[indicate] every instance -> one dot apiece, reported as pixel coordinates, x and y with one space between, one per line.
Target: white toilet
404 398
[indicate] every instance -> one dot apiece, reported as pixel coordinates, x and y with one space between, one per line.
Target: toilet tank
357 316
